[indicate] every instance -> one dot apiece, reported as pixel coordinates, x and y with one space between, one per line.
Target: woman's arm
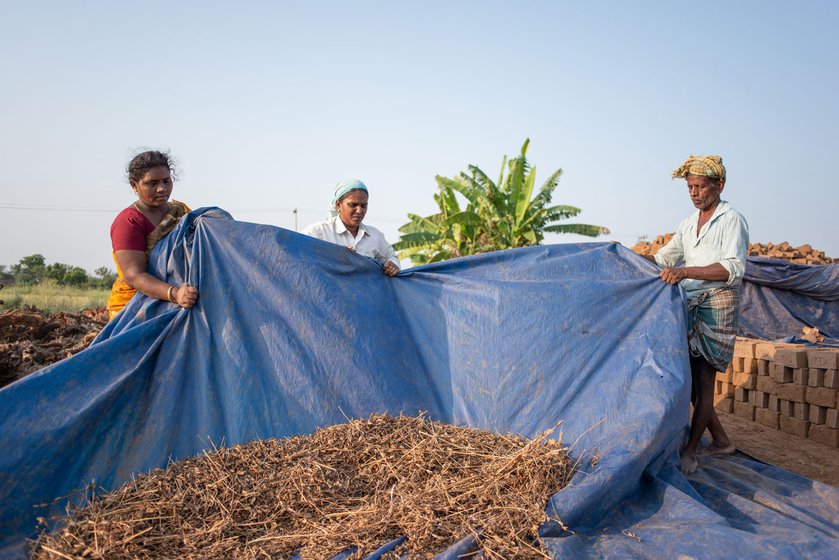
133 266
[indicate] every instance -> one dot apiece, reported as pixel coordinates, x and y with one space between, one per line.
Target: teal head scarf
342 189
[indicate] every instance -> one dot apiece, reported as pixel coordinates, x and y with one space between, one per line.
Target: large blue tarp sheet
780 298
291 334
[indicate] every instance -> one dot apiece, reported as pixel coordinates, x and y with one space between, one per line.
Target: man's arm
672 254
713 272
736 247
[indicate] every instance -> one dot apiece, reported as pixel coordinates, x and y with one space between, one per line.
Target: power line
293 211
87 209
52 208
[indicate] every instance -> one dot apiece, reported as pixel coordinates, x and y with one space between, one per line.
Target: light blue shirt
723 239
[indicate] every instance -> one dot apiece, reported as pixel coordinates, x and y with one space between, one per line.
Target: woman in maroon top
139 227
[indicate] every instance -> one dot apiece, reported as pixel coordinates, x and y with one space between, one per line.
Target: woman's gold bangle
169 295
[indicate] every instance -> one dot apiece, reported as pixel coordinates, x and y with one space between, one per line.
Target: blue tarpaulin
780 298
291 334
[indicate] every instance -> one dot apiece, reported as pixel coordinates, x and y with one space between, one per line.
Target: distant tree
66 275
500 215
6 276
105 277
30 270
33 261
75 276
56 271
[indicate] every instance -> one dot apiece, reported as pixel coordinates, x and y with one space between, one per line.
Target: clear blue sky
266 105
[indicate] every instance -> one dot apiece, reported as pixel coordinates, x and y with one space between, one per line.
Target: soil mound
30 339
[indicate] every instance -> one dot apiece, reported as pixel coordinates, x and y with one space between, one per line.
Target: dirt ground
801 456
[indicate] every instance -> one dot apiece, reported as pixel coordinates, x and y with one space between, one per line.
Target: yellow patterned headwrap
710 166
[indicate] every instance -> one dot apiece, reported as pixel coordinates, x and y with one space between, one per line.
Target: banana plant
498 215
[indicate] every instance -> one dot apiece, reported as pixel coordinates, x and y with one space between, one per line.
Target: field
52 298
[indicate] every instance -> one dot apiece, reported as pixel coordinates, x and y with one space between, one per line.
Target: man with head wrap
344 227
707 256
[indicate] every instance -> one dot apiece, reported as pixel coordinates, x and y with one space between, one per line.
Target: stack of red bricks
803 254
783 386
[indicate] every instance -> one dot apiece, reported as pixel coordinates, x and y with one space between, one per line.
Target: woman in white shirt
345 227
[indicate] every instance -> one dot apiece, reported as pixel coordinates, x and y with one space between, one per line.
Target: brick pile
804 254
652 247
783 386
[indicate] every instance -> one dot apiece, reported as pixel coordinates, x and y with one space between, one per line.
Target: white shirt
369 241
723 239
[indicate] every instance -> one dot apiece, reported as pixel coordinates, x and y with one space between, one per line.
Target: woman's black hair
143 162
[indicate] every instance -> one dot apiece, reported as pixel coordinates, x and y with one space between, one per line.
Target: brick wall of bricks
784 386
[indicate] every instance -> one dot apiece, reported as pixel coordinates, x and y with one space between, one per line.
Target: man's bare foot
689 464
715 448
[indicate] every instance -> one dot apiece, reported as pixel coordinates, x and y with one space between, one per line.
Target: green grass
52 298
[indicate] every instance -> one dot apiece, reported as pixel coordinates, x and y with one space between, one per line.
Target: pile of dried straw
359 484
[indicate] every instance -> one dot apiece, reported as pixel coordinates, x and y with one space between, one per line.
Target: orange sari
121 293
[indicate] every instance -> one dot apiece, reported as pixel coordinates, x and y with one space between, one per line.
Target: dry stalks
359 484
